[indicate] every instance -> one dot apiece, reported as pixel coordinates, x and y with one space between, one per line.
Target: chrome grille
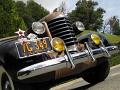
61 27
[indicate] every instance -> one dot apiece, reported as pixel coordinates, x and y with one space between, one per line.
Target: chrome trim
104 49
66 28
47 30
69 42
60 25
62 62
64 32
65 35
58 21
90 52
8 38
69 38
70 58
72 48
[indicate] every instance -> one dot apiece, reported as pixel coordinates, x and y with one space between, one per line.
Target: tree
31 11
9 19
37 11
62 8
114 25
24 13
87 13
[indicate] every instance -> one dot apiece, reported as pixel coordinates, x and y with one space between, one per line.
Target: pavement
112 82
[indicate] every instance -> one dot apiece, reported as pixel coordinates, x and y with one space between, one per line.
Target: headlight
58 44
96 39
38 27
79 25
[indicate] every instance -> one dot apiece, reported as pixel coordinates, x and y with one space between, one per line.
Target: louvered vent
61 27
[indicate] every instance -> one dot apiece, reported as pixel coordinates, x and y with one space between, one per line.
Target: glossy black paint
10 60
86 38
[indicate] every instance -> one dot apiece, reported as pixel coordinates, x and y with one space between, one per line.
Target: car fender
84 38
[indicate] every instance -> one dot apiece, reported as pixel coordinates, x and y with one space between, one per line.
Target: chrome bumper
62 62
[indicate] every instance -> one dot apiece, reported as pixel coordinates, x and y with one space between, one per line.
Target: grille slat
63 32
61 27
56 22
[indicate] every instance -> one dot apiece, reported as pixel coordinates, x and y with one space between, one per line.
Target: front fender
86 37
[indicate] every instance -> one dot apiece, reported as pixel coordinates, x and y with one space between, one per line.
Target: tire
98 73
6 82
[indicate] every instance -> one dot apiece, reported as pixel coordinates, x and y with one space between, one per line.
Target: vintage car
49 50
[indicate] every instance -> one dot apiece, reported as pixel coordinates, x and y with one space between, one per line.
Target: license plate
33 47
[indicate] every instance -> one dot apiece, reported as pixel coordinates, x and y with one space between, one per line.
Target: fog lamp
58 44
96 39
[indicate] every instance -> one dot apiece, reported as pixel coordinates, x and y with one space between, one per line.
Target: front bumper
62 62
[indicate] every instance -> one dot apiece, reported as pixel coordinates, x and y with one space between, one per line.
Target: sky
52 4
112 7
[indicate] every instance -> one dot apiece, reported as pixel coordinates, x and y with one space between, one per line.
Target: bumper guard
63 62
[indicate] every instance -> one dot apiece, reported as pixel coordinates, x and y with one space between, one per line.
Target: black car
49 50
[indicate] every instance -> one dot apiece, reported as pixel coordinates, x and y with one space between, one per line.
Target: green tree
9 19
31 11
114 25
87 13
37 11
24 13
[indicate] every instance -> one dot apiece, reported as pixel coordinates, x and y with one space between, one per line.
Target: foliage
114 25
24 13
9 19
37 11
14 15
87 13
31 11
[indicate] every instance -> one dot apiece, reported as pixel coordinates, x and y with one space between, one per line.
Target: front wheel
6 82
97 73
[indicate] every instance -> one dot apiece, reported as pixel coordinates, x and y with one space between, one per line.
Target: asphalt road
111 83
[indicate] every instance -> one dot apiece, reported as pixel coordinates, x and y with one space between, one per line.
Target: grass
113 39
115 59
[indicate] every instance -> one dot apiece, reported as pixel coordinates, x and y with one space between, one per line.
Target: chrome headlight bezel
80 26
38 27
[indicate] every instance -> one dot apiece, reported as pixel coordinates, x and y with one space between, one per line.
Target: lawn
113 39
115 59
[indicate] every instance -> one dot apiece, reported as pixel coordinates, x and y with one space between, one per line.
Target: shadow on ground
85 87
49 85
